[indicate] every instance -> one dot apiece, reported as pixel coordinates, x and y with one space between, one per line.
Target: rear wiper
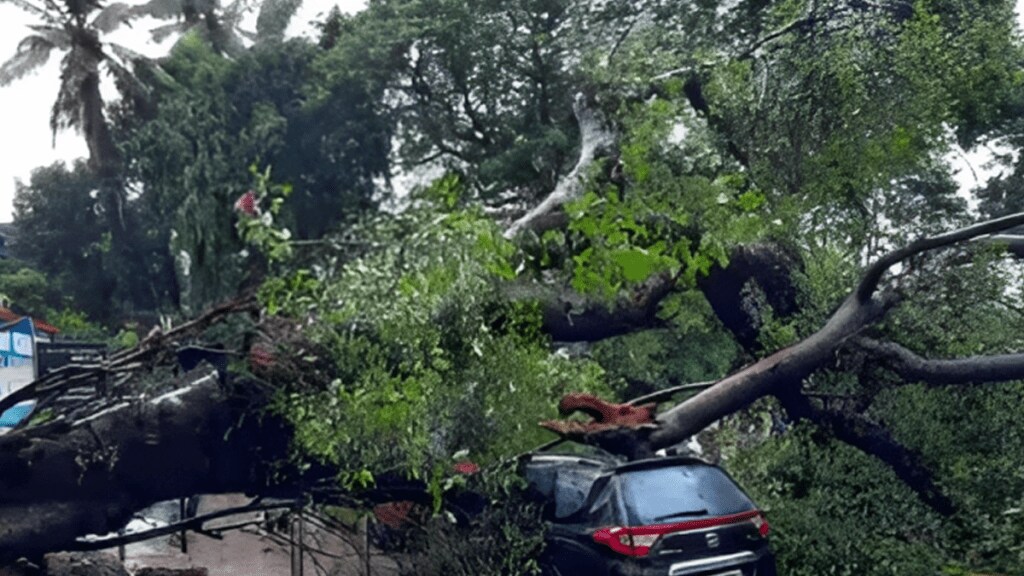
681 514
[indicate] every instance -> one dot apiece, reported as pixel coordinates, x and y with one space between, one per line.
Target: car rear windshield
679 493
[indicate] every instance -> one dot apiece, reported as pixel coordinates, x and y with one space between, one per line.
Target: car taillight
761 523
638 540
624 541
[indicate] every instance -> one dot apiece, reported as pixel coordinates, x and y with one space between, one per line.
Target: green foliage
23 288
275 106
428 358
76 325
485 87
670 217
834 510
258 230
506 540
61 236
694 348
975 457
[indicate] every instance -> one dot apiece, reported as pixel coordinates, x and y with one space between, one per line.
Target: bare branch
666 394
800 23
594 135
871 278
970 370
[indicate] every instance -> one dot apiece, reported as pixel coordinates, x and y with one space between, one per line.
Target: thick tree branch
594 135
789 367
873 275
971 370
569 317
785 368
875 441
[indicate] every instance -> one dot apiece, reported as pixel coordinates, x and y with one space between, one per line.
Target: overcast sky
25 138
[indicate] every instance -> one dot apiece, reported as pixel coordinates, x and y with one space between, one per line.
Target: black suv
668 516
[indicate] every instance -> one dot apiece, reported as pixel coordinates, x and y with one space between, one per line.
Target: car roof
661 462
615 465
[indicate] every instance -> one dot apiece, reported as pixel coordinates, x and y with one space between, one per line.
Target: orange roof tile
8 315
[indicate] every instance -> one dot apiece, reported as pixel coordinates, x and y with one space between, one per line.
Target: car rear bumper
726 562
746 563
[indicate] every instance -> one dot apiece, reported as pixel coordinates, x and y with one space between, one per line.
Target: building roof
8 315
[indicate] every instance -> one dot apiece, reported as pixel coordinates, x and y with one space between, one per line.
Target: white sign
5 341
22 343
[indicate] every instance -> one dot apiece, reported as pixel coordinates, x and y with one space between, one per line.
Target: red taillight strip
621 539
695 524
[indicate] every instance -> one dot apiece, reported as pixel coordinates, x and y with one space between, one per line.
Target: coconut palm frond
111 17
67 110
125 54
35 10
56 35
160 9
33 52
274 18
161 33
127 82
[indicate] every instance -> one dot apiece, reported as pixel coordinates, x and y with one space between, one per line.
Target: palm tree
76 28
220 25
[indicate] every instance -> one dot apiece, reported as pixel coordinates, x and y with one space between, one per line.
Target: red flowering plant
256 225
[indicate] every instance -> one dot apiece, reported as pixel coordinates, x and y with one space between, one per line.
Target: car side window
572 487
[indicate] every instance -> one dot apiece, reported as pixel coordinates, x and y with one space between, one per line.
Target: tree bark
63 480
567 316
787 368
594 135
971 370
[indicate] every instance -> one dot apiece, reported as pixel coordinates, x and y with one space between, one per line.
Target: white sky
25 137
26 141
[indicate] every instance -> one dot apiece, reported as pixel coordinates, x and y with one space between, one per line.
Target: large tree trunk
63 480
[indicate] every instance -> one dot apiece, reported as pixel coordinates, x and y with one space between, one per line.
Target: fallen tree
93 465
89 473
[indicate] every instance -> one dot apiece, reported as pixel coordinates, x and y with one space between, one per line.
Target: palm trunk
104 157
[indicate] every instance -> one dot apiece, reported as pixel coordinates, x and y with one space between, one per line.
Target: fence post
298 542
184 533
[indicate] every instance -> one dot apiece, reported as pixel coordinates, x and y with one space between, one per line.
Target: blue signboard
15 414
